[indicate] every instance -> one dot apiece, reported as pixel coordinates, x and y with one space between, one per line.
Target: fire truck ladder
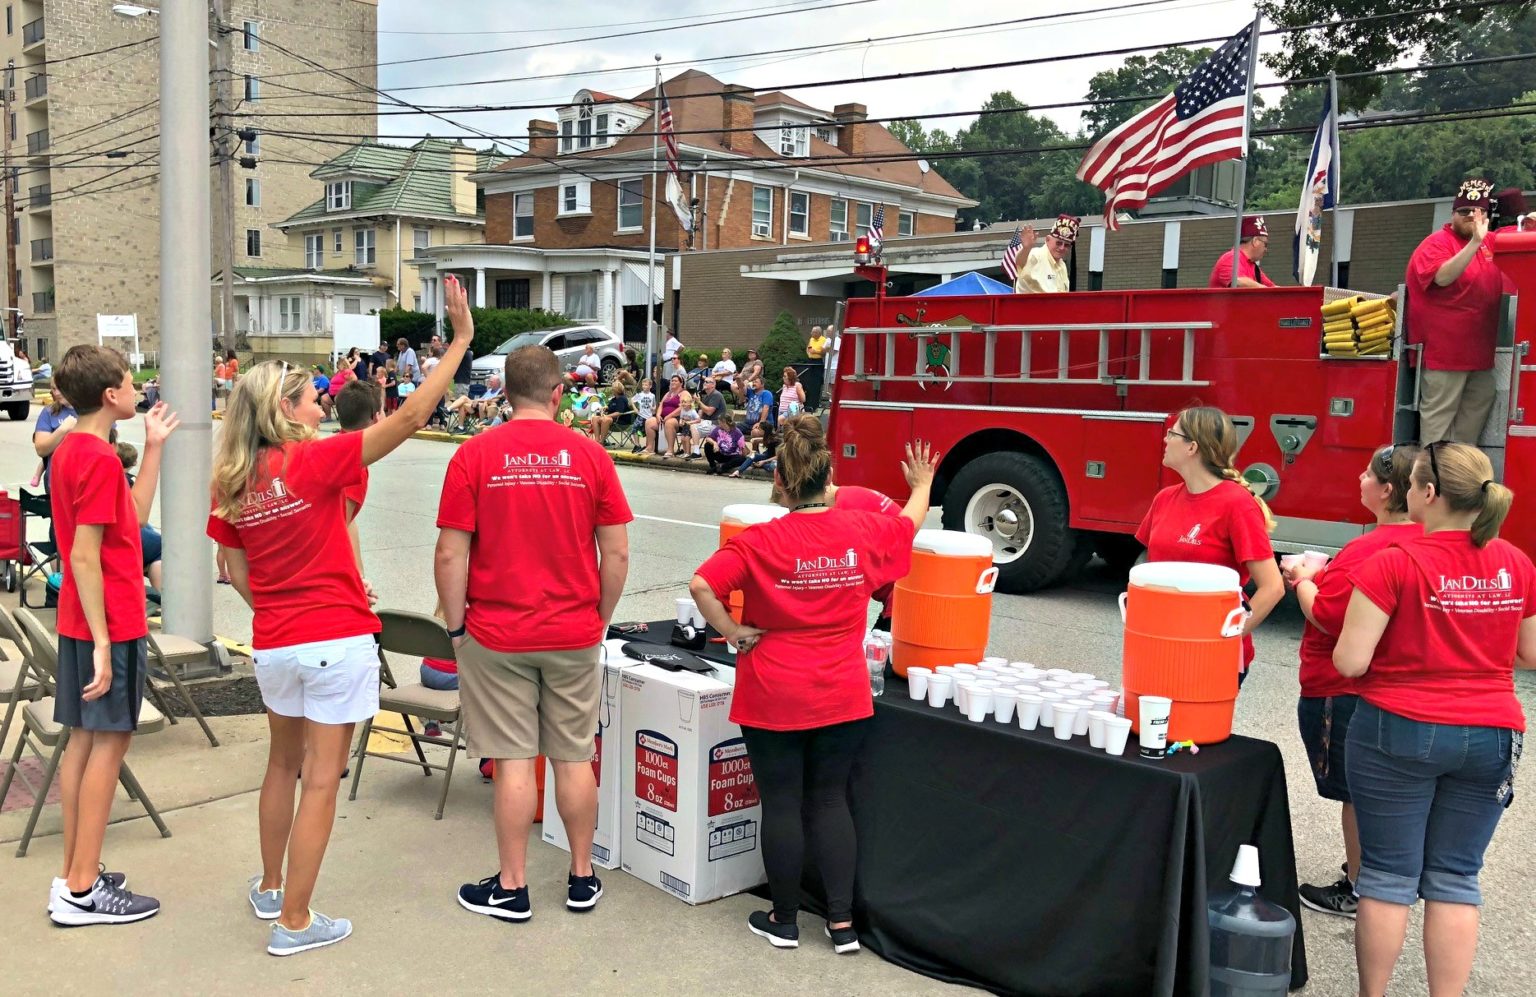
1097 372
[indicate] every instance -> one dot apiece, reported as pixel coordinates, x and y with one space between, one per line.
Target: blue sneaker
582 892
489 898
320 932
267 904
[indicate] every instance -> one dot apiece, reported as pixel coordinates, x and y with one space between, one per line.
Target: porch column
547 296
479 287
611 289
437 309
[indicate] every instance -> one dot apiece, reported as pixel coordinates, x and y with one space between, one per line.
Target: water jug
734 519
942 609
1250 937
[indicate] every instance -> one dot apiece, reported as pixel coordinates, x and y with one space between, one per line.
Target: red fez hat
1253 227
1474 194
1066 227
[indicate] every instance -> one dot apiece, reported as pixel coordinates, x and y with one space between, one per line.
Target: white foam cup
1029 710
1104 700
1289 561
1055 684
1065 721
1029 687
946 670
939 688
917 682
961 668
1084 707
1154 725
1059 673
1095 684
1315 559
1003 702
994 660
963 687
1096 719
981 705
1083 676
1048 701
1120 702
1117 730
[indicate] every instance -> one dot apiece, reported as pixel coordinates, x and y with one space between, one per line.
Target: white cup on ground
1003 702
1084 707
939 687
1154 725
1315 559
980 705
1065 721
1096 721
917 682
1048 701
1117 730
1028 710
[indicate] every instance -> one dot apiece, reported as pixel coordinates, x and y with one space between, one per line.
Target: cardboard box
605 765
692 818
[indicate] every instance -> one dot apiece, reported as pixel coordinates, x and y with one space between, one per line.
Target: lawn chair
426 637
46 738
38 557
12 531
627 431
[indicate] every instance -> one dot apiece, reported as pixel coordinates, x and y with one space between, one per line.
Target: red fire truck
1050 409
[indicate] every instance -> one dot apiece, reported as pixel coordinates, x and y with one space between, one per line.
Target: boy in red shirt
101 623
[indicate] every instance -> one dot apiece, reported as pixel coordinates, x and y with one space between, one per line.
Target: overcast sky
410 29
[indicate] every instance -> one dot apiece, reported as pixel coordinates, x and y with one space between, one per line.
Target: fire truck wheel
1018 502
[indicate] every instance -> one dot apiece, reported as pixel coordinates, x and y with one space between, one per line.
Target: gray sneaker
106 904
322 931
266 903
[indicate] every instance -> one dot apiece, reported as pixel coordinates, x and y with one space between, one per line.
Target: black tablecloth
1009 860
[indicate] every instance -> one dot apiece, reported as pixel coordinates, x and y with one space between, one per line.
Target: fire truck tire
18 411
1019 503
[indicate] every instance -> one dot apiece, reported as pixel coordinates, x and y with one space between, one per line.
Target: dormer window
566 127
827 134
794 139
584 123
338 196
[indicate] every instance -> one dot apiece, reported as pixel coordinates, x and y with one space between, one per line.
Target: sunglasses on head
1434 465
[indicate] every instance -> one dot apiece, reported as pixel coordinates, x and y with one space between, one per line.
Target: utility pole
11 290
224 155
185 318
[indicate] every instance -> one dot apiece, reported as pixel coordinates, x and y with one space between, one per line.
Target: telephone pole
224 155
11 290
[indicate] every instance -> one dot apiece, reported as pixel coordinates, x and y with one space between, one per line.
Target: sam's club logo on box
850 559
561 459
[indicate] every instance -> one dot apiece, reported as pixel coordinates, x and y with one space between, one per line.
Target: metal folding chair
18 684
36 555
46 738
162 650
421 636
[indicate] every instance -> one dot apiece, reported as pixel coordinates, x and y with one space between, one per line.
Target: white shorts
327 681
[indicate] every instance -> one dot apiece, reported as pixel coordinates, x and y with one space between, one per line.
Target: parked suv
568 342
15 383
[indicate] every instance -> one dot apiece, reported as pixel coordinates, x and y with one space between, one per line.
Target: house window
415 302
250 36
631 204
336 240
906 223
839 224
252 88
793 139
362 246
576 198
512 293
252 193
421 239
827 135
289 314
565 135
253 242
762 212
10 19
799 213
253 147
602 129
864 214
13 126
314 251
338 196
584 133
351 306
522 215
581 297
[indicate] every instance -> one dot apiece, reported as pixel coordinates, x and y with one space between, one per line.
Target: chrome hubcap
1001 514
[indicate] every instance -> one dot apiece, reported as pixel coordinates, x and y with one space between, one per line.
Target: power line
87 55
524 31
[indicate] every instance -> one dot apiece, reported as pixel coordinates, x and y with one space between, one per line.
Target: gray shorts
119 709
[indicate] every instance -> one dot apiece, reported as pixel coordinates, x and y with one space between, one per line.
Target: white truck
15 383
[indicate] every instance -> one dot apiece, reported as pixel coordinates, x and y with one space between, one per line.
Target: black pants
720 463
802 777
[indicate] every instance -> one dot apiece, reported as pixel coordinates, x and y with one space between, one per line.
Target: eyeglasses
1434 465
1466 212
1174 432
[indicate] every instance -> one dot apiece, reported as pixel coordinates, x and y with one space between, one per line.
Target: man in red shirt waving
1454 290
1253 244
533 539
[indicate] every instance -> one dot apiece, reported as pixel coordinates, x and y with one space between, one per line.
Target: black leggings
802 777
722 462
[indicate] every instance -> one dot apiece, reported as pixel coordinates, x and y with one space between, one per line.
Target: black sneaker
780 936
844 940
1338 899
582 892
106 904
487 897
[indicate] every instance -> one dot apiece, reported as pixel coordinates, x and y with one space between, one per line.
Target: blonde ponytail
1231 474
1496 502
1465 482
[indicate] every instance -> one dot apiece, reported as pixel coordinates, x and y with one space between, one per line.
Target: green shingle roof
415 181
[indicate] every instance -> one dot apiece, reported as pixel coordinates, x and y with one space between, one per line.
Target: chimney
850 130
542 138
463 189
737 113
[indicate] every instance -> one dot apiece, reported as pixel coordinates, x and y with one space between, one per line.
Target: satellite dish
922 166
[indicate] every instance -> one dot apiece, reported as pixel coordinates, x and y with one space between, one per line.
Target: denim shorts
1427 797
1324 723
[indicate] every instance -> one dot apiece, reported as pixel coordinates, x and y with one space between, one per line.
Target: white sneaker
106 904
61 885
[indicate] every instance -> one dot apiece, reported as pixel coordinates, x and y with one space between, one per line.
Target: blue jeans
441 681
1427 797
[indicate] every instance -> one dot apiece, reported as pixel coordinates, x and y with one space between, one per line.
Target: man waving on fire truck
1252 245
1045 268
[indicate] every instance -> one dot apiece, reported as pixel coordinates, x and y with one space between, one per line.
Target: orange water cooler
1183 640
734 519
942 610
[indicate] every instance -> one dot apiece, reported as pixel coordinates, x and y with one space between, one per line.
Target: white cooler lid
952 543
749 514
1185 576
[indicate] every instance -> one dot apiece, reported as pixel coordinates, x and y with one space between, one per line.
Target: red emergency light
861 250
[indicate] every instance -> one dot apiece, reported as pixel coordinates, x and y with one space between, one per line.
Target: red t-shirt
532 494
1448 653
806 581
1221 526
1335 585
858 499
1458 324
1221 273
293 517
355 493
88 487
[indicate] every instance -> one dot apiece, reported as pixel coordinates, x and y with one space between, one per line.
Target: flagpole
650 276
1336 168
1242 173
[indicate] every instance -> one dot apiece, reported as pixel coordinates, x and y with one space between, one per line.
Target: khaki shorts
518 705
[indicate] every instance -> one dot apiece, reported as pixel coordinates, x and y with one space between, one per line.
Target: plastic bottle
876 653
1250 937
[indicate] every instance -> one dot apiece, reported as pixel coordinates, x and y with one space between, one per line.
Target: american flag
1203 121
1011 256
877 230
668 136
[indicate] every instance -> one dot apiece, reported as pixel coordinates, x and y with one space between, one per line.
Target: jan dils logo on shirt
274 491
849 559
1192 537
561 459
1501 581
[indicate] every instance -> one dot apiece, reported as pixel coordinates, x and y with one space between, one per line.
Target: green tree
782 346
1149 77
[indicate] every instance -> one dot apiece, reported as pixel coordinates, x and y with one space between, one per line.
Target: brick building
730 297
567 225
85 125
